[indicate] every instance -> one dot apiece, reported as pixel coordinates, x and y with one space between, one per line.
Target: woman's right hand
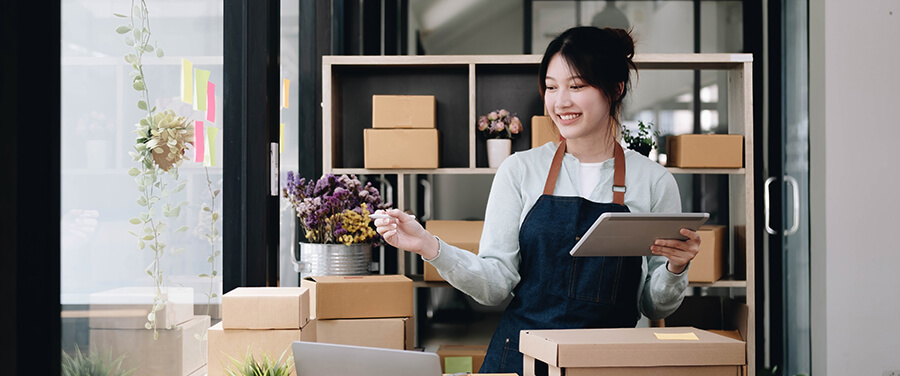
404 232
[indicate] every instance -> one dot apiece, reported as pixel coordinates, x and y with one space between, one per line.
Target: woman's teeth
569 117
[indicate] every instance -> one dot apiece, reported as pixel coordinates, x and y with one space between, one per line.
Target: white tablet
632 234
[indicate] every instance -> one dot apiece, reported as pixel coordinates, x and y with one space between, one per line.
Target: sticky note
199 146
211 133
287 92
202 77
281 140
458 364
676 336
187 81
210 102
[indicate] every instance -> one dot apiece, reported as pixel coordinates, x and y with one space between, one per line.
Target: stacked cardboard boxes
263 320
373 310
403 133
457 359
118 327
462 234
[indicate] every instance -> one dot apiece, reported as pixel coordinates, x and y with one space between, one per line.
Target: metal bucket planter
332 259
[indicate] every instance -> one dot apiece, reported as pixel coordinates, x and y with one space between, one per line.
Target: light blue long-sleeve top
491 276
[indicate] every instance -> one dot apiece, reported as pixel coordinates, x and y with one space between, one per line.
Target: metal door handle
796 188
426 191
769 181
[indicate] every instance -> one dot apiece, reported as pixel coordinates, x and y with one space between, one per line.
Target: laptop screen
326 359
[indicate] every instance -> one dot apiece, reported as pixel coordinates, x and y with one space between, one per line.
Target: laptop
326 359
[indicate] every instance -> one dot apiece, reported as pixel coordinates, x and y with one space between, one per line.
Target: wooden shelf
727 282
491 171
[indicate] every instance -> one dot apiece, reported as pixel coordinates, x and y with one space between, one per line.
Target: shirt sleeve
490 276
663 290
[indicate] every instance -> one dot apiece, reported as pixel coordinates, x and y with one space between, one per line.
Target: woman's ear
621 88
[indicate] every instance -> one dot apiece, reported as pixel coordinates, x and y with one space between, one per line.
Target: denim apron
556 290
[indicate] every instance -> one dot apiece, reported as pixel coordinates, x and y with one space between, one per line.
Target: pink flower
483 123
515 126
497 126
493 116
504 113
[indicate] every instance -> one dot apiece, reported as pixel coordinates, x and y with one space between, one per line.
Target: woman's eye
577 87
549 87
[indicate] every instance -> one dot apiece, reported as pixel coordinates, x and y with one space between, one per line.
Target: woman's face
579 110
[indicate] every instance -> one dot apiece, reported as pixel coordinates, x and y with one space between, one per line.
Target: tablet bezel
632 229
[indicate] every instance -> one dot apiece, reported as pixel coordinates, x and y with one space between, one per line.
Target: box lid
646 347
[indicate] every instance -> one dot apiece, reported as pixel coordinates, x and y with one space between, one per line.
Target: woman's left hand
679 252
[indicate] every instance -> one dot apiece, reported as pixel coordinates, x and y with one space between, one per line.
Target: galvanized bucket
332 259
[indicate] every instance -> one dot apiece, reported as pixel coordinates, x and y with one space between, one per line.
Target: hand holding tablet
632 234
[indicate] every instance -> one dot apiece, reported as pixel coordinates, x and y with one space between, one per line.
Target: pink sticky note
211 101
198 141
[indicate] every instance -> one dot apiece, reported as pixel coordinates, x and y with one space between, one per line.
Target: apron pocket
594 279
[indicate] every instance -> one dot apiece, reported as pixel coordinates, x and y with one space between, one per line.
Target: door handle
796 188
769 181
427 192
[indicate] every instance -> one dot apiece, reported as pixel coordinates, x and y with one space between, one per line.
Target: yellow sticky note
287 92
211 133
281 140
676 336
202 79
458 364
187 81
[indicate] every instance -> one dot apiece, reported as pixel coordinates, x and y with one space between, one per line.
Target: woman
542 199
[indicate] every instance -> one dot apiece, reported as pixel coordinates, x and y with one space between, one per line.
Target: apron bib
556 290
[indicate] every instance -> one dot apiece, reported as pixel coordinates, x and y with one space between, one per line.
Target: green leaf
129 41
130 58
140 244
136 11
215 295
123 29
204 275
206 208
181 229
210 259
133 233
148 48
148 230
135 221
161 228
161 246
142 201
215 217
137 34
148 237
153 109
159 52
216 193
133 171
144 216
217 253
142 105
120 15
145 123
138 85
183 203
214 273
177 251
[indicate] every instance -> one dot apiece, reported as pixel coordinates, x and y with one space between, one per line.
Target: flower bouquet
499 124
334 209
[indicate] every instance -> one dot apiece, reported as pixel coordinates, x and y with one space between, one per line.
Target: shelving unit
466 86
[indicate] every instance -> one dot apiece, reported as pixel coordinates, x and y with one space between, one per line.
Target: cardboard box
632 351
265 308
403 111
705 151
359 297
543 131
462 234
709 265
461 358
128 307
176 352
235 342
401 148
392 333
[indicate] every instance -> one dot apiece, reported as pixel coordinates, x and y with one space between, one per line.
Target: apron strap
618 175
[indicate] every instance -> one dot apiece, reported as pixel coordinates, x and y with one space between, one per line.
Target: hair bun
623 40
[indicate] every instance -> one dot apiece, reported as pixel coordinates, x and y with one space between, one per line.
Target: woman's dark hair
601 57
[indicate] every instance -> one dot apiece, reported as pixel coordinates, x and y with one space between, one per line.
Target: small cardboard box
461 358
393 333
632 351
403 111
359 297
705 151
128 307
462 234
543 131
709 264
235 342
265 308
401 148
176 352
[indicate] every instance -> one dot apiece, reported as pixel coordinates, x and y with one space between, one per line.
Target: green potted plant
266 367
92 363
641 142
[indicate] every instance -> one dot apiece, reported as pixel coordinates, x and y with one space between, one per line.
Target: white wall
855 93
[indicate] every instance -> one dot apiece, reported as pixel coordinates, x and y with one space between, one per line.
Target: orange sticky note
287 92
210 102
187 81
211 133
199 146
202 79
281 140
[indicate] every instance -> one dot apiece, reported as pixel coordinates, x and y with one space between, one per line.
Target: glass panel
796 165
290 146
140 231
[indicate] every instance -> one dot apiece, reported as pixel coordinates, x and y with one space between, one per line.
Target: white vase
497 150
